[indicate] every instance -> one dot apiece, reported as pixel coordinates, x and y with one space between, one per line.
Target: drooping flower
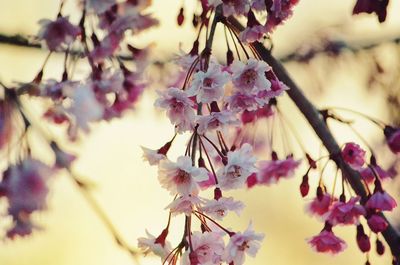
184 204
240 244
216 120
327 242
321 204
209 86
368 173
353 155
152 156
272 171
377 223
207 248
393 138
250 78
381 201
150 243
240 165
254 30
346 213
218 209
278 12
179 108
180 177
58 34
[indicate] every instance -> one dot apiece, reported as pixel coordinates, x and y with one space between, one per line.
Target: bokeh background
127 188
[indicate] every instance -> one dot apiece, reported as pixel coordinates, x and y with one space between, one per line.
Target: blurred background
356 66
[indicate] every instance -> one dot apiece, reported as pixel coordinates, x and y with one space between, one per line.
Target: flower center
182 177
249 76
207 82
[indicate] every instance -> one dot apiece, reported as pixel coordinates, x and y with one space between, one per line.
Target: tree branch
312 115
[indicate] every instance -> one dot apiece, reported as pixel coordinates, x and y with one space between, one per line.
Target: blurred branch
331 47
316 121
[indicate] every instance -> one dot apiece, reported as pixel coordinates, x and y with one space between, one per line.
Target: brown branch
312 115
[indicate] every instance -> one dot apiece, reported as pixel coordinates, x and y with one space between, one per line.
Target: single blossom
393 138
218 209
240 165
207 249
353 155
242 102
320 205
179 108
184 204
152 156
240 244
250 78
272 171
346 213
209 86
327 242
368 174
377 223
216 121
180 177
278 12
381 201
150 243
58 34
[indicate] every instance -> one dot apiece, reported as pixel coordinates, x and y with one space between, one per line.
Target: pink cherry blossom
278 12
57 34
377 223
218 209
369 176
179 108
240 165
240 244
184 204
106 48
272 171
207 248
152 156
209 86
241 102
84 108
381 201
353 155
320 205
393 138
216 120
150 244
346 213
250 78
327 242
180 177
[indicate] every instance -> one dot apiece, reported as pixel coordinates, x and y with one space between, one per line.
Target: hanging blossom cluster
112 86
211 103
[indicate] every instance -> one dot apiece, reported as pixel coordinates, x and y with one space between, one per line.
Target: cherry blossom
320 205
250 78
393 138
377 223
180 177
272 171
381 201
207 248
152 156
240 244
57 34
184 204
368 173
209 86
179 108
327 241
346 213
240 165
151 244
216 120
218 209
353 155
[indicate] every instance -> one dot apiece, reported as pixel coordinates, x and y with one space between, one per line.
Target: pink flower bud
377 223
